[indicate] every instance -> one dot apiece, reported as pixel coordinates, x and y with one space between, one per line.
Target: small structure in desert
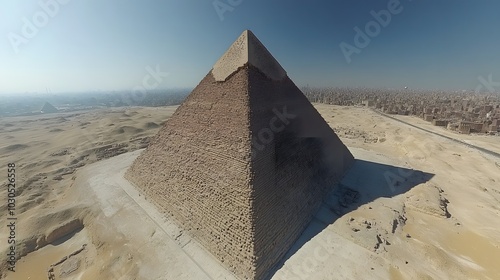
48 108
428 117
244 163
440 122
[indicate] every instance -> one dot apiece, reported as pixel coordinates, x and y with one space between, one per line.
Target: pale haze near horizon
104 46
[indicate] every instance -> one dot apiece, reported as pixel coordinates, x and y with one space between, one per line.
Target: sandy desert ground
414 205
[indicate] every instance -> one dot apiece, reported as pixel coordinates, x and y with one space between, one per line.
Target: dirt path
481 149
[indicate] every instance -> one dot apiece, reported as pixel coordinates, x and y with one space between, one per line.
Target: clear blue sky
107 45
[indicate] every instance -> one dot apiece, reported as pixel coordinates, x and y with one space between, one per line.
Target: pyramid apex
247 49
247 32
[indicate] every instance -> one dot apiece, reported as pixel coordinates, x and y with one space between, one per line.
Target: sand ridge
48 150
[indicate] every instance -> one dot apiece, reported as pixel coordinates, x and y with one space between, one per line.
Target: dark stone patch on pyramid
244 163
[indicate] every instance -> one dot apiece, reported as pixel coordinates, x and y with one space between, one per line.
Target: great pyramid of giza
244 163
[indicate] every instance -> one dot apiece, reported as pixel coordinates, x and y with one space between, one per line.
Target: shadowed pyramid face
244 162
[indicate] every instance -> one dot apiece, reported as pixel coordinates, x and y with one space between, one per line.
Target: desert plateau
425 207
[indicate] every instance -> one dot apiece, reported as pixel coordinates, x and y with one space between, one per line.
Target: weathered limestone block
244 162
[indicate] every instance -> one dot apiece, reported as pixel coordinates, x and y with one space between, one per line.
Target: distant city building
368 103
437 122
442 108
428 117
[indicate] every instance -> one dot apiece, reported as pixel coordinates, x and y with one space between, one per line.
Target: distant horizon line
191 88
92 91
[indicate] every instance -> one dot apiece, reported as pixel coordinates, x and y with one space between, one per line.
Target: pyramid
48 108
244 163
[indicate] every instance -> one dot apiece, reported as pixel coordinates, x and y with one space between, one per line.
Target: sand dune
418 207
13 148
151 125
47 152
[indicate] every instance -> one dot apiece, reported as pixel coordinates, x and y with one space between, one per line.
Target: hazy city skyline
75 46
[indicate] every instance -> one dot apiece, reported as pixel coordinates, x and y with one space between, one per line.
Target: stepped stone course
244 163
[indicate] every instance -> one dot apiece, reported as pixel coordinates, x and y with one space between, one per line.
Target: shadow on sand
363 183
